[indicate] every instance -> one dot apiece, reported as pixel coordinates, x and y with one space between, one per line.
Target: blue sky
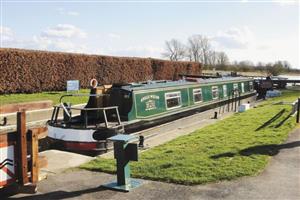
253 30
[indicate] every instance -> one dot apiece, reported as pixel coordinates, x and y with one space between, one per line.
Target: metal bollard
123 153
216 115
141 141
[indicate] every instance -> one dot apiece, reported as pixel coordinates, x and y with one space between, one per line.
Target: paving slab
279 181
58 161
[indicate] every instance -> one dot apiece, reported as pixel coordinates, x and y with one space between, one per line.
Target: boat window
251 86
224 90
197 93
243 87
215 92
173 100
235 86
236 89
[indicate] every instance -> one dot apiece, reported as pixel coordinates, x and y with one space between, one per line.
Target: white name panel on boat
75 135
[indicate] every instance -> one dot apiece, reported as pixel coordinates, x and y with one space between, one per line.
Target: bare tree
286 65
194 50
198 49
212 58
205 48
222 59
174 50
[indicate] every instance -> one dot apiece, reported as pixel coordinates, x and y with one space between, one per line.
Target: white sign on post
73 85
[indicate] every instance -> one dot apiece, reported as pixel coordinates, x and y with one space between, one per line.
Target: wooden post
228 105
298 110
34 155
22 143
235 102
232 101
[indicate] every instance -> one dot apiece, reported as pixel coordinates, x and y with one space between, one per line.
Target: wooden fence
19 160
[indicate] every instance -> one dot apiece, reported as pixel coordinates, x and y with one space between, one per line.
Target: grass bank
226 150
54 96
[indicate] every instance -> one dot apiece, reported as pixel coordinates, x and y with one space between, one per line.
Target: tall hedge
28 71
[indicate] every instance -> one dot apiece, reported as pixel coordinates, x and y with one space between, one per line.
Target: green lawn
54 96
226 150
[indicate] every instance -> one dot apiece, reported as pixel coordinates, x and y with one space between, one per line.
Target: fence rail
19 160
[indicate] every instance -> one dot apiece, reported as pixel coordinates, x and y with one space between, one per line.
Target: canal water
290 77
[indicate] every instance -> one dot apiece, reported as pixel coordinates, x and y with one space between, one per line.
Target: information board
73 85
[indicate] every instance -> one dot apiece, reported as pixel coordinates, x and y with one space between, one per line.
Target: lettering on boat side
150 105
150 101
149 97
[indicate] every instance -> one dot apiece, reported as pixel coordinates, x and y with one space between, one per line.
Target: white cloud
234 38
72 13
9 39
57 44
114 36
285 2
263 47
6 34
60 10
63 11
241 43
66 38
63 37
63 31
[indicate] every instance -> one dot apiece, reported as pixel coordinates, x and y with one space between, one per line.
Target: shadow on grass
269 150
279 114
282 122
61 194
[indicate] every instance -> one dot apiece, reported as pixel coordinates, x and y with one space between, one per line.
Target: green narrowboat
113 109
156 99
